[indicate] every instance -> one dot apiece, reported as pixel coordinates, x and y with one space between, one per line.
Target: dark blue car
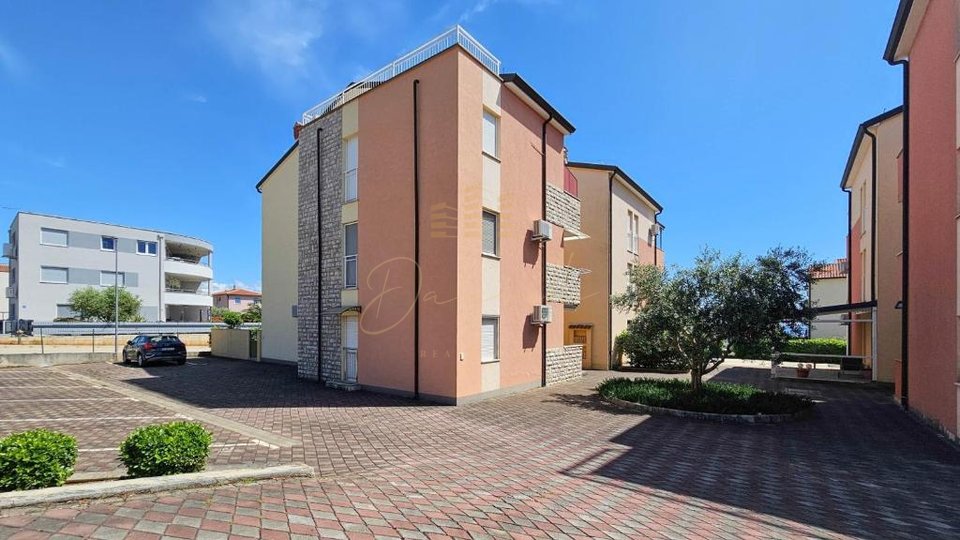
143 349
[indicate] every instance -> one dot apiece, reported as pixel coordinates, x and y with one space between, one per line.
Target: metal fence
454 36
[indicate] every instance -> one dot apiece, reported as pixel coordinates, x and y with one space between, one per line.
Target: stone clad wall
314 281
563 209
564 364
563 285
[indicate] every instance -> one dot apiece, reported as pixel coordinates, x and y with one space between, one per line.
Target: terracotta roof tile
837 269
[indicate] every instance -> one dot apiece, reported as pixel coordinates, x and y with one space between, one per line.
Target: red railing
570 183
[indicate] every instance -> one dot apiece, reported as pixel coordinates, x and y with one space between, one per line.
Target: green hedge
162 449
723 398
36 459
835 346
641 353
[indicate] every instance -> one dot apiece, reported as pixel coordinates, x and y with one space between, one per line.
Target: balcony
184 297
187 267
9 251
563 285
563 210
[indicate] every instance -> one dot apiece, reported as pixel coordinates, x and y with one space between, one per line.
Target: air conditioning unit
542 231
541 315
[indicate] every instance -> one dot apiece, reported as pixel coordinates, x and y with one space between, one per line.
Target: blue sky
737 116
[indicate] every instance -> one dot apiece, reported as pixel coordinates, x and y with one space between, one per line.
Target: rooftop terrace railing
454 36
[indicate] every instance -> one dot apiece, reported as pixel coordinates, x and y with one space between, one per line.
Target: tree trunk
696 380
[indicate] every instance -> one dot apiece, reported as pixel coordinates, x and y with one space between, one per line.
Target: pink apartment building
924 42
432 220
236 299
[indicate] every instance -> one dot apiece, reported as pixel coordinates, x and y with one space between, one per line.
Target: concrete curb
712 417
18 360
114 488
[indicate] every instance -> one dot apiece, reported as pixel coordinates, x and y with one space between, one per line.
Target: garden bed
717 401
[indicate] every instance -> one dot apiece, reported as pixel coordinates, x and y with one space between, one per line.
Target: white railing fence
454 36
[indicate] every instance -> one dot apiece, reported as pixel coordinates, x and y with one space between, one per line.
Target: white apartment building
51 256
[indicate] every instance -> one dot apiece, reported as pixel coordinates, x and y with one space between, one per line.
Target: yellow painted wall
279 211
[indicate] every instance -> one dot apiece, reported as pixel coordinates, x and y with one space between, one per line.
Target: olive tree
697 316
98 304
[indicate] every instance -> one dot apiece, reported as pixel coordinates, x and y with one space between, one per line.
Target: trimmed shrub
834 346
162 449
753 351
643 354
723 398
232 319
36 459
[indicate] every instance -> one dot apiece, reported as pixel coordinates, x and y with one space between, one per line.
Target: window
491 134
350 163
350 256
146 248
53 237
236 300
633 232
107 279
65 311
108 243
351 335
490 234
490 339
293 311
53 274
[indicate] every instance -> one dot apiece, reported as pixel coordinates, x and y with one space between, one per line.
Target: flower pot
803 373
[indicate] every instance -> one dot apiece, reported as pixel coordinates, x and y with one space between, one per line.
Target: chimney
296 130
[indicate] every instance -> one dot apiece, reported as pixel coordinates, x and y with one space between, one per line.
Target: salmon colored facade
924 40
437 298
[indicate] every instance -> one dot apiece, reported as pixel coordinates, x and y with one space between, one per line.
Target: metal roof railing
454 36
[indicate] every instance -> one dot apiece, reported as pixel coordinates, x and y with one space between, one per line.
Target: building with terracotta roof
829 288
236 299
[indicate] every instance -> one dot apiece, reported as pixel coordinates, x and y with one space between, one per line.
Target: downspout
416 239
905 261
610 336
656 232
319 264
849 261
543 212
873 215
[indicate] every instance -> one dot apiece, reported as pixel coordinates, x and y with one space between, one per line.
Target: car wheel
181 361
141 361
126 357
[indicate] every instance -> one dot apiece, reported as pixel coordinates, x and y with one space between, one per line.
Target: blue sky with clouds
736 115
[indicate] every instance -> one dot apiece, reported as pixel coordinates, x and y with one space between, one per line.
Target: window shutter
352 332
488 339
490 134
53 237
350 239
489 233
53 275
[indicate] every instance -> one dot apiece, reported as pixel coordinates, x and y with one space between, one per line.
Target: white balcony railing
454 36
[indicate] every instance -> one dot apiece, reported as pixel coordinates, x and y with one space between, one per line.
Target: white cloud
479 6
217 287
195 98
275 37
10 60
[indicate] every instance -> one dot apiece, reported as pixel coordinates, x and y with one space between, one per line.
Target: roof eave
619 172
515 81
276 165
858 140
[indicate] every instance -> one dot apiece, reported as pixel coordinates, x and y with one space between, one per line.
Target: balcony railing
201 292
454 36
188 260
570 183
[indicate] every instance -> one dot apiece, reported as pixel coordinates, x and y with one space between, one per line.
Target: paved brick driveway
552 463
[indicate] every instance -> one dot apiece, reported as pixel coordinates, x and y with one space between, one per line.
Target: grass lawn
722 398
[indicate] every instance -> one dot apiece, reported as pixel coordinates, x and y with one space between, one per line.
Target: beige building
279 238
875 230
621 220
829 288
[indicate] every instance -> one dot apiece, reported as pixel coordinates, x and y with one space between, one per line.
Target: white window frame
112 239
121 279
146 245
352 173
496 233
495 319
347 259
496 133
66 237
65 269
347 350
631 232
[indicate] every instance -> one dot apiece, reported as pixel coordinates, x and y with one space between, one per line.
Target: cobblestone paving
550 463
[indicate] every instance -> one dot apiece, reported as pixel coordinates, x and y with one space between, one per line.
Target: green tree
254 313
232 319
97 304
697 316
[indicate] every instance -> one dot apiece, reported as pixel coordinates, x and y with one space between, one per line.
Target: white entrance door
351 339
